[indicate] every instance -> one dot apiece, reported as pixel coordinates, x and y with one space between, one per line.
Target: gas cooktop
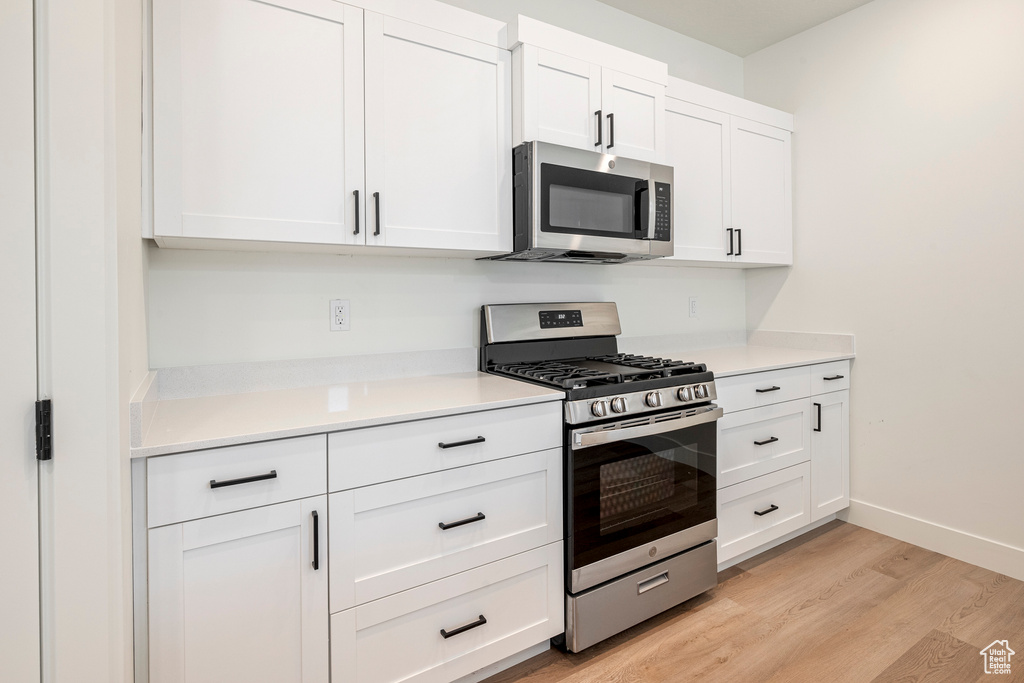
579 373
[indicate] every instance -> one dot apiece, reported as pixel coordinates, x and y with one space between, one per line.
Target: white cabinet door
560 100
258 120
634 113
236 598
762 200
830 453
697 146
438 139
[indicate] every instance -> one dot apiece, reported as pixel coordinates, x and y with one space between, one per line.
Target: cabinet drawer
830 377
762 440
370 456
762 388
213 482
389 537
739 527
521 598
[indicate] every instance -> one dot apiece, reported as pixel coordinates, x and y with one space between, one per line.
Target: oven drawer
398 638
828 377
179 486
758 441
388 537
784 500
740 392
369 456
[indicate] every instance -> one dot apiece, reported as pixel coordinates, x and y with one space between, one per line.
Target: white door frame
19 507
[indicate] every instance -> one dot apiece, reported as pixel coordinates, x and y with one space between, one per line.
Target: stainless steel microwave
572 205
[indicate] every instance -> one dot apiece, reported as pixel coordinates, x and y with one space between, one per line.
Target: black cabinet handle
376 204
214 484
739 241
469 520
456 444
729 253
462 629
766 441
834 377
316 541
355 193
765 391
762 513
611 131
818 406
599 128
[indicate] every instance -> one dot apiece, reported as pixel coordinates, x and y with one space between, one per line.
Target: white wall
218 307
909 207
686 57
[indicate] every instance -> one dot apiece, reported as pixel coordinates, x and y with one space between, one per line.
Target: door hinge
44 430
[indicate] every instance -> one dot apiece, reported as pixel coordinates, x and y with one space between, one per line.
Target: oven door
639 491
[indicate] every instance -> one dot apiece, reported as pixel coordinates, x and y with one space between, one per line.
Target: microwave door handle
642 202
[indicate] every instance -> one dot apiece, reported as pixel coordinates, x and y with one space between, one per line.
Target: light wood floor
838 604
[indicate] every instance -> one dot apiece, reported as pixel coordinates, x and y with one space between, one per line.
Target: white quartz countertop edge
744 360
183 425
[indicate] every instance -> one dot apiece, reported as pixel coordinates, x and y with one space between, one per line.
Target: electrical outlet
693 307
341 319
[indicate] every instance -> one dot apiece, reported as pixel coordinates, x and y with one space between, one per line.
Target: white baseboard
984 552
771 544
510 661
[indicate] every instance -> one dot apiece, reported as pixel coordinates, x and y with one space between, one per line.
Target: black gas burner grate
557 373
668 367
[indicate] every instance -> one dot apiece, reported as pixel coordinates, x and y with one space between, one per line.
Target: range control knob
701 391
619 404
653 399
685 394
599 408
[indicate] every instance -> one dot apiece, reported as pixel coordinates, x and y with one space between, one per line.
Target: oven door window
580 202
633 492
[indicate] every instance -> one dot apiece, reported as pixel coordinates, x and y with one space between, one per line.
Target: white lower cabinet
404 533
241 597
760 510
443 630
783 453
830 454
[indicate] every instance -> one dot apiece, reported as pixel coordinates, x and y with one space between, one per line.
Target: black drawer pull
766 441
316 541
765 391
829 379
214 484
456 444
462 629
469 520
762 513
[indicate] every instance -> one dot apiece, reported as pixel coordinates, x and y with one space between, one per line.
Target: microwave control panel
663 212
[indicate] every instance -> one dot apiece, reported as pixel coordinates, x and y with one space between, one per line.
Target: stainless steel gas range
639 454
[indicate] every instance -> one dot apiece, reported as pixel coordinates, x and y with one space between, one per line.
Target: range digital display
551 319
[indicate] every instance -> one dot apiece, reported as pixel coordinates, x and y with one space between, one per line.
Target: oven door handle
586 439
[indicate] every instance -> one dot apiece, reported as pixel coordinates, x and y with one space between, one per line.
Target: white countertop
175 425
741 360
188 424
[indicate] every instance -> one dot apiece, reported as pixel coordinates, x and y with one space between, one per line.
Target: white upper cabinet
252 143
698 149
762 200
314 122
438 139
732 191
575 91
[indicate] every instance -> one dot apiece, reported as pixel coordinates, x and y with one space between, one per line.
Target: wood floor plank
842 604
936 658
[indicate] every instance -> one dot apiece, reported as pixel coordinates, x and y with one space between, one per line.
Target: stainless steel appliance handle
586 439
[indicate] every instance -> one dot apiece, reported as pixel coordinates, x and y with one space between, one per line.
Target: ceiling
741 27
